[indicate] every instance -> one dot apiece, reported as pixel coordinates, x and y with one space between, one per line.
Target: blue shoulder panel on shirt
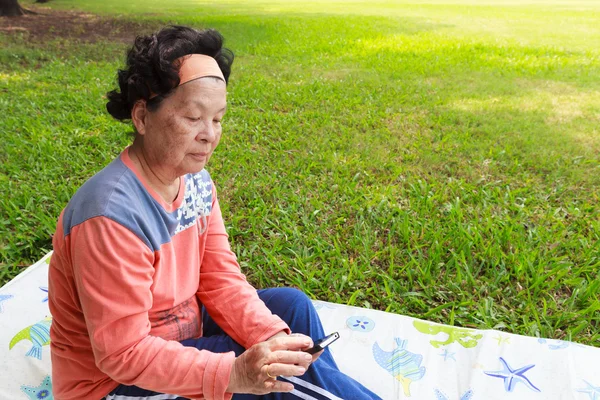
116 193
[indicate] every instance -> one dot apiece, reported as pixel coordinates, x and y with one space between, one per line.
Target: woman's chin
195 167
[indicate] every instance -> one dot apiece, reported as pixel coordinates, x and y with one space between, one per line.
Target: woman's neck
166 187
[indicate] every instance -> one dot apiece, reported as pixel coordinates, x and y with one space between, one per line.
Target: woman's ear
139 112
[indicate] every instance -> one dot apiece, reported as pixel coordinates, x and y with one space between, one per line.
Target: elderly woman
147 298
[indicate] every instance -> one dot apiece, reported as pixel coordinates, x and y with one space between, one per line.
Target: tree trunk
12 8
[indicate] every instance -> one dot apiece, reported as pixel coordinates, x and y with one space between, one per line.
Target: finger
272 386
290 343
310 341
299 358
285 370
316 356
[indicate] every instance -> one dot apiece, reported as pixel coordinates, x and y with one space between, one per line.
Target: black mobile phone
322 343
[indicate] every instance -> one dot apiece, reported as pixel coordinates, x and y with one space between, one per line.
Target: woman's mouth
199 156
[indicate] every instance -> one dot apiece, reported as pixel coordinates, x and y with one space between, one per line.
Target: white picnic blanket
395 356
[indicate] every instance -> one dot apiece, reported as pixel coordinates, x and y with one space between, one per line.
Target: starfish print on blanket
44 289
447 355
592 391
502 339
43 391
513 376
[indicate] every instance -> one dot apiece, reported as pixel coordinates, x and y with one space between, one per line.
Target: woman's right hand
278 356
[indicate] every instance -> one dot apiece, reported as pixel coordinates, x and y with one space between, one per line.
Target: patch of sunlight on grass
403 43
341 73
562 103
508 58
565 100
14 77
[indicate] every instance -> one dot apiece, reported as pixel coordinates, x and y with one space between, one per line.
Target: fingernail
301 371
308 357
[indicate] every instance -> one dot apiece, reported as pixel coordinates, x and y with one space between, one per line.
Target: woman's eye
195 119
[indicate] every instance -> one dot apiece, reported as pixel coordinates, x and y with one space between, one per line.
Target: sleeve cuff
278 326
216 376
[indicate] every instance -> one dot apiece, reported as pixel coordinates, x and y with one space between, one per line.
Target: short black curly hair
150 68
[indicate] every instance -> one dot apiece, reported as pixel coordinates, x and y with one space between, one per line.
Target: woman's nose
206 133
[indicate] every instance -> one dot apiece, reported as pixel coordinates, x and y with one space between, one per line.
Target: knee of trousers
291 299
291 296
296 309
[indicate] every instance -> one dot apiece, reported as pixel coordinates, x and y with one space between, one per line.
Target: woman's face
181 135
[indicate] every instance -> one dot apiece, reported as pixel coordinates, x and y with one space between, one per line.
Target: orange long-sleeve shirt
125 282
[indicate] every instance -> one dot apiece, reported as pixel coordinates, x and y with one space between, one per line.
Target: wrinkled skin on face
180 136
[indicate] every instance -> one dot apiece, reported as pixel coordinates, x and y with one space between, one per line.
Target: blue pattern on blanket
360 324
44 289
592 391
447 355
400 363
468 395
41 392
554 344
3 298
38 334
513 376
322 304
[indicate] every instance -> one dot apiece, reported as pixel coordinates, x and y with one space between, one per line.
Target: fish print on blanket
592 391
43 391
360 324
467 338
468 395
512 376
38 334
400 363
3 298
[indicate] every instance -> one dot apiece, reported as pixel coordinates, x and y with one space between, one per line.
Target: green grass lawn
434 159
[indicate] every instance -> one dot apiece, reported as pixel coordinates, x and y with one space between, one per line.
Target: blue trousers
323 380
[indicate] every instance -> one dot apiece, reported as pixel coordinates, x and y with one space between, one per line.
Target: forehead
204 92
